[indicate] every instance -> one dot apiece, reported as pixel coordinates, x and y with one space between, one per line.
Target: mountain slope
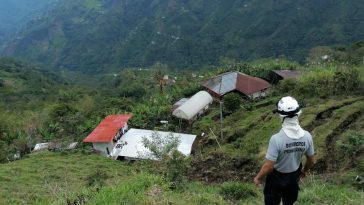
105 34
26 85
24 11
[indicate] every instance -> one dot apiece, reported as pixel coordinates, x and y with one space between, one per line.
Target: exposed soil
218 168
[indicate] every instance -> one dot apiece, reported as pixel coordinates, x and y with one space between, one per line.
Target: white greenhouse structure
196 105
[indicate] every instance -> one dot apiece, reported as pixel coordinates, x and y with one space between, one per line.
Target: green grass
59 178
324 191
322 132
93 4
46 175
248 132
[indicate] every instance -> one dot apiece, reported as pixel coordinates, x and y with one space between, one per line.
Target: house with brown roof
235 81
106 134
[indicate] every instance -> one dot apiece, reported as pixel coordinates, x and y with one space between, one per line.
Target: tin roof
231 81
108 128
287 73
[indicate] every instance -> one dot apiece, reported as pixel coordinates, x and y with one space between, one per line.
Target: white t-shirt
287 152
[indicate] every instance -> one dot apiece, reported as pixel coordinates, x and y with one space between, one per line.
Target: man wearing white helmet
282 164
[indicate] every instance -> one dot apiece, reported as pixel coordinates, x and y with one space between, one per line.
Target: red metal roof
248 84
230 81
108 128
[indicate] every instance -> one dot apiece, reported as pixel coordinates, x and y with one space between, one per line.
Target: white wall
101 147
258 94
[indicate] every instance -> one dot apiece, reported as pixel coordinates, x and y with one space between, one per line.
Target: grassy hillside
73 178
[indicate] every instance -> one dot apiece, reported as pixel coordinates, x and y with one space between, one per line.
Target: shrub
285 86
4 152
237 191
353 145
308 85
346 80
173 162
232 102
176 166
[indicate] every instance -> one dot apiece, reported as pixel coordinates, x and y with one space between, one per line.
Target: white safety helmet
288 107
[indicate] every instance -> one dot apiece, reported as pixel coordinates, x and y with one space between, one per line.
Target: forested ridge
103 35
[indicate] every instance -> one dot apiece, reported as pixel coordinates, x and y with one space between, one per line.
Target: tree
173 162
161 147
158 75
232 102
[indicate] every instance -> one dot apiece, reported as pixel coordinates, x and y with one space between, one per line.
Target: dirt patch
218 168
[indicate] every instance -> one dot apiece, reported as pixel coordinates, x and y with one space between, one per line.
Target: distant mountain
15 14
102 35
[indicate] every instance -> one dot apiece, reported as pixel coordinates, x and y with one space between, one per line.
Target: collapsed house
106 134
131 146
189 109
235 81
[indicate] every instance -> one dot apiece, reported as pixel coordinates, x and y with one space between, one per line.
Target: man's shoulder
308 134
277 135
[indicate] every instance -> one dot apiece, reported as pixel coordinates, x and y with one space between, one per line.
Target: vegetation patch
237 191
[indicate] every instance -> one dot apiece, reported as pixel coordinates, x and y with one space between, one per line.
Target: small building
131 146
277 75
194 106
235 81
105 135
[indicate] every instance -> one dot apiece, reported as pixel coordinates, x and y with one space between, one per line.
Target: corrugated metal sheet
287 73
248 84
108 128
131 146
231 81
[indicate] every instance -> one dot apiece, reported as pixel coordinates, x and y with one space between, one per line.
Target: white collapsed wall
194 106
101 147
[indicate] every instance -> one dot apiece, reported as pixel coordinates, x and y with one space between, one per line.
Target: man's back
287 152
